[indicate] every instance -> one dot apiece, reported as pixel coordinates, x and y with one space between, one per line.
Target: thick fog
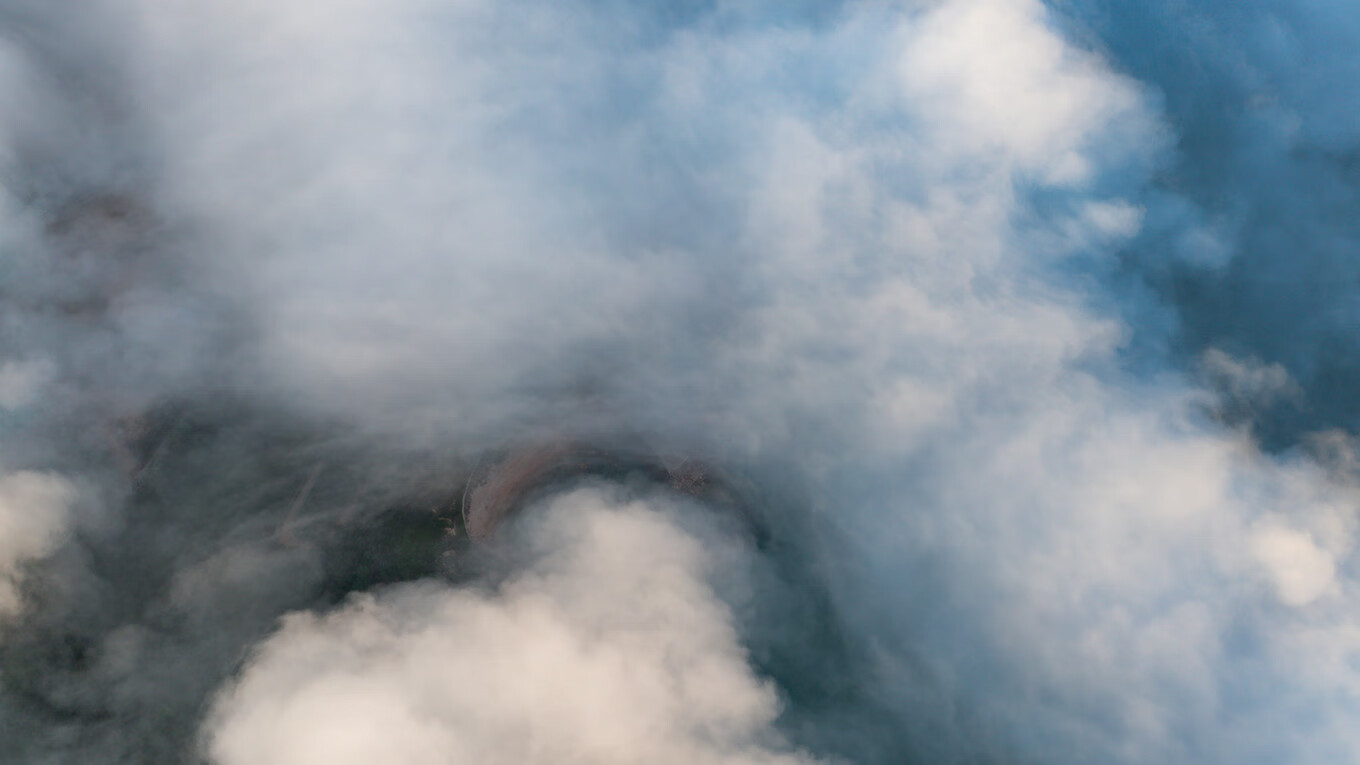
962 381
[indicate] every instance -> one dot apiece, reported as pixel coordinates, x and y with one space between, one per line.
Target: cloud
910 275
34 513
1301 571
612 647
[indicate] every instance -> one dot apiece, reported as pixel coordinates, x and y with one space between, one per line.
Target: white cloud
612 648
875 305
34 515
991 78
1300 570
813 254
